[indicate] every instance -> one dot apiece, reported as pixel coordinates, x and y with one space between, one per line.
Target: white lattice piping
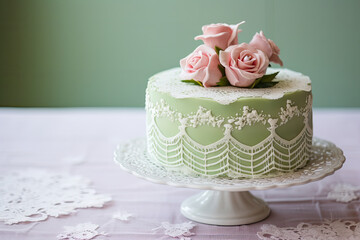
228 158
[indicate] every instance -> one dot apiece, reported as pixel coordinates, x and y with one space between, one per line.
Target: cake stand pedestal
225 208
227 201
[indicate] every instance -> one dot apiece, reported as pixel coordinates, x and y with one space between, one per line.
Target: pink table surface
45 138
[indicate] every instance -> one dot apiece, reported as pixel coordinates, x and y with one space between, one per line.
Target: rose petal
213 74
233 40
241 70
276 59
224 58
216 28
242 79
221 35
260 42
219 40
203 60
201 65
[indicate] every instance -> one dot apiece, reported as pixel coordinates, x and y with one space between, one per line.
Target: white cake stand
227 201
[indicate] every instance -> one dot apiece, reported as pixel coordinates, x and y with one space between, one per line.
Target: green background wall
101 53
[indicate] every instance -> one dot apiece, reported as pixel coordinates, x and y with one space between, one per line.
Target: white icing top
289 81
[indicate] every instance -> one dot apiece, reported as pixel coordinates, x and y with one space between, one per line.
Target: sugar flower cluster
221 60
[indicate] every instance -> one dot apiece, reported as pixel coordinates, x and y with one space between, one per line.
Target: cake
214 117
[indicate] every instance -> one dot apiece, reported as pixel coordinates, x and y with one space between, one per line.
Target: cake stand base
224 208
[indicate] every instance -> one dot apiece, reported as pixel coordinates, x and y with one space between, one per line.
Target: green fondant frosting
229 131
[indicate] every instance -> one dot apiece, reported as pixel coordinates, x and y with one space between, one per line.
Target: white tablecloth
47 138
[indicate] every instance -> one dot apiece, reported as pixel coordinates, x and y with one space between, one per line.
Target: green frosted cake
216 116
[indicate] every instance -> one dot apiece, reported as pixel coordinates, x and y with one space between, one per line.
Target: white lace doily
170 82
343 192
123 216
34 195
82 231
329 230
325 159
180 231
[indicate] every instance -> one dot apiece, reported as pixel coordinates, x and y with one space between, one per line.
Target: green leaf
223 82
269 77
257 81
260 82
193 81
217 50
266 84
222 69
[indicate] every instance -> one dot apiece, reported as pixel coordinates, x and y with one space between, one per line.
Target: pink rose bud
201 65
243 64
260 42
221 35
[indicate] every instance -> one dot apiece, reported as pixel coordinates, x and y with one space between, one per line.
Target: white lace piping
180 231
170 82
83 231
343 193
329 230
34 195
227 155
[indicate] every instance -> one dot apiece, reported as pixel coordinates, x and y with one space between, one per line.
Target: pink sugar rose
201 65
243 64
260 42
221 35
